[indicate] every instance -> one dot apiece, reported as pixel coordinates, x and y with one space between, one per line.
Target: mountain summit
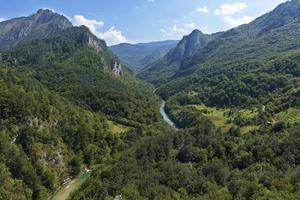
165 68
189 45
283 14
39 25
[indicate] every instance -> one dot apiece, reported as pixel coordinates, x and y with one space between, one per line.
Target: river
165 115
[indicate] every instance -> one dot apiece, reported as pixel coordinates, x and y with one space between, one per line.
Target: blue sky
146 20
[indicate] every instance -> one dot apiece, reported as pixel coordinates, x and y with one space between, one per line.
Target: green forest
70 110
60 106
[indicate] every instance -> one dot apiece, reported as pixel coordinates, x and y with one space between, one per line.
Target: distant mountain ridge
254 38
137 56
162 70
39 25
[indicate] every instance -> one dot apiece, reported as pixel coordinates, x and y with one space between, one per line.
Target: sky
133 21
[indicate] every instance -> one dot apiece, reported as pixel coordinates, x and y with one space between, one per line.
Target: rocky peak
44 16
36 26
283 14
189 45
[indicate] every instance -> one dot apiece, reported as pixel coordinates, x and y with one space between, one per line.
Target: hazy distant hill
137 56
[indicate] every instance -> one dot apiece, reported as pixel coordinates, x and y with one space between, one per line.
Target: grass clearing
70 187
247 129
221 119
117 128
248 114
216 115
292 115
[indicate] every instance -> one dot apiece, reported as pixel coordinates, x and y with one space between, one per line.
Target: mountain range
70 104
167 66
249 41
137 56
242 50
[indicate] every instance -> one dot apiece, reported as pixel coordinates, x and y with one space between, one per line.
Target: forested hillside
80 67
241 48
65 102
45 138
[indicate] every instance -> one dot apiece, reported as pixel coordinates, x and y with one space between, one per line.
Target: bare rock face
189 45
95 45
117 69
37 26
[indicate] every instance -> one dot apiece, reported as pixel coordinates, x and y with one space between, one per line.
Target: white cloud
189 25
92 24
177 31
231 9
2 19
228 13
205 29
111 36
203 9
163 30
151 1
238 21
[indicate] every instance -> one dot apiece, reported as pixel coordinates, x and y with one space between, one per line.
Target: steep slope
39 25
189 45
44 138
242 52
80 67
137 56
266 36
57 93
164 69
273 33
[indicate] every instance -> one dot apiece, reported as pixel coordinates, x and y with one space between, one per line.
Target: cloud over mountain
111 36
228 13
